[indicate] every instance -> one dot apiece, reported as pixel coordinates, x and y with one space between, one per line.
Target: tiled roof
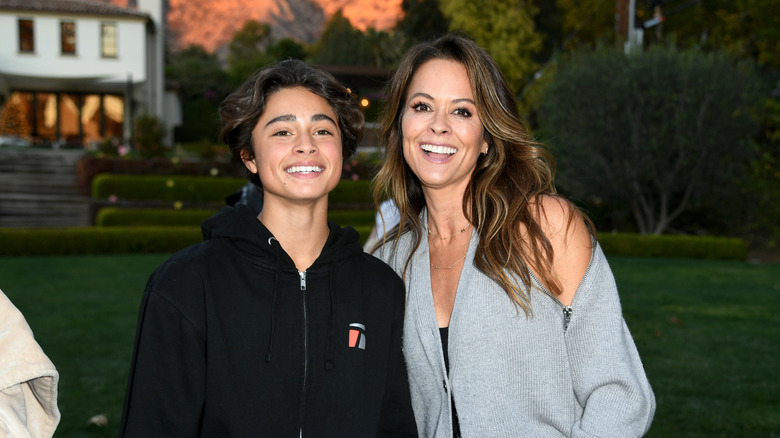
77 7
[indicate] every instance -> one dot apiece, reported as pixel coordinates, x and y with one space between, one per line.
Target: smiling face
297 147
442 133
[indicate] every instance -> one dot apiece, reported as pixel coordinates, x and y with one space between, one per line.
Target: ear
484 148
249 160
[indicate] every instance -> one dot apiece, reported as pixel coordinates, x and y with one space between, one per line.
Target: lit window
26 39
108 46
68 37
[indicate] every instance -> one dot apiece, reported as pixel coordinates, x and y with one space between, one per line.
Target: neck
301 229
445 214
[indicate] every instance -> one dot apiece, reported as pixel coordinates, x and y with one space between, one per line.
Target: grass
708 333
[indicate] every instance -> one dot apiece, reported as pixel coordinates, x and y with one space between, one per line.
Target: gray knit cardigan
564 371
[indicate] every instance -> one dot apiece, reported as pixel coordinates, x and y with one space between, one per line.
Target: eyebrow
428 96
291 118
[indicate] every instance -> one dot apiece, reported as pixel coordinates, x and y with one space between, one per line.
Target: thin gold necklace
462 230
453 263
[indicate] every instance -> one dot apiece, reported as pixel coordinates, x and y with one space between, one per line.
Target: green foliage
109 147
694 247
504 29
352 192
744 28
96 240
656 131
246 53
149 135
287 48
422 21
164 187
124 217
202 85
763 186
587 23
341 44
353 218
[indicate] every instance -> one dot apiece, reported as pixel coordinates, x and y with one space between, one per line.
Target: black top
444 332
233 340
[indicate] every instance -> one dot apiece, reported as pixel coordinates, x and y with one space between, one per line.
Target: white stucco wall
47 61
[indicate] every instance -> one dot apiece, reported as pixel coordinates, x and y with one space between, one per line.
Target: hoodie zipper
302 406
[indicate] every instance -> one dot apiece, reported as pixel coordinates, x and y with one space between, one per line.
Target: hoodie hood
240 225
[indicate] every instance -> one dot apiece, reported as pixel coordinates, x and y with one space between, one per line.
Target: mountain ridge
212 23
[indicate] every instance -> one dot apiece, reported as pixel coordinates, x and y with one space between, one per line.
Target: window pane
46 116
90 118
68 37
114 108
26 39
70 129
108 40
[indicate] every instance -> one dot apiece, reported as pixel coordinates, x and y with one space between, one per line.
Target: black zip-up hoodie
234 341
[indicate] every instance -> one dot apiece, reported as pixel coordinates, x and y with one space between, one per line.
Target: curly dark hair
243 108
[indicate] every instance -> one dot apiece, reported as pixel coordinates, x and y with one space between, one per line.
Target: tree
246 52
202 85
504 29
422 20
744 28
587 23
341 44
287 48
656 130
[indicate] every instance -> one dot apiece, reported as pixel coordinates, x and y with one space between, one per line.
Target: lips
435 149
304 169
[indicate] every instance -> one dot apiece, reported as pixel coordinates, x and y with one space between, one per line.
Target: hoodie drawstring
275 301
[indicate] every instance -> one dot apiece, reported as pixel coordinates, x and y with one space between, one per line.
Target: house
74 73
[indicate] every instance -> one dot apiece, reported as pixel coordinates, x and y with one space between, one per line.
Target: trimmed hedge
113 217
18 242
96 240
204 188
162 187
696 247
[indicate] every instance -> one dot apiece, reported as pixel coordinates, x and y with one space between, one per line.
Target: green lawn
708 333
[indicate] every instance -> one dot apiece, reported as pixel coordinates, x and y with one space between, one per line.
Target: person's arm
28 379
607 374
165 391
397 418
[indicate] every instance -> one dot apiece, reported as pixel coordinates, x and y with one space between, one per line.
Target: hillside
212 23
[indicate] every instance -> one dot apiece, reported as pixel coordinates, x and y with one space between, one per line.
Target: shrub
149 135
352 192
353 218
161 187
96 240
697 247
112 217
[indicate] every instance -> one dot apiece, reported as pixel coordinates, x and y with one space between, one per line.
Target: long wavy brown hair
500 201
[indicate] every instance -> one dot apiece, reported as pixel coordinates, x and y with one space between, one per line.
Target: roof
76 7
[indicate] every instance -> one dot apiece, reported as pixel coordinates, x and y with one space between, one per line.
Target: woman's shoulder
565 228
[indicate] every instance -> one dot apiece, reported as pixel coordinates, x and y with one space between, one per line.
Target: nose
306 146
439 124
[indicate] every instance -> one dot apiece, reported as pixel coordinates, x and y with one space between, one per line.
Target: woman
513 322
278 324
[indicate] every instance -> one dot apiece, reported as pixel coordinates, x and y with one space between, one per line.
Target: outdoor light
364 102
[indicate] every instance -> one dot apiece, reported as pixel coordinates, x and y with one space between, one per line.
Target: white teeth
304 169
438 149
